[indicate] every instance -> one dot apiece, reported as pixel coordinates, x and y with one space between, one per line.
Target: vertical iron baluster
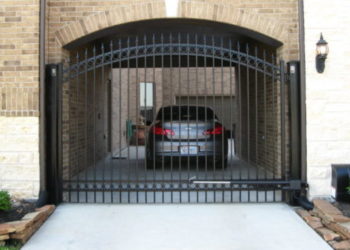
188 110
197 120
145 108
103 121
111 187
77 128
256 117
284 173
231 121
120 120
205 115
171 117
248 116
214 107
179 97
162 122
223 155
120 163
87 163
240 115
273 69
137 87
265 123
154 117
94 122
70 125
128 116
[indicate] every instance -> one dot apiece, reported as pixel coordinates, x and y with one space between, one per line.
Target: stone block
20 225
326 208
315 224
341 245
6 229
4 237
302 213
327 234
341 228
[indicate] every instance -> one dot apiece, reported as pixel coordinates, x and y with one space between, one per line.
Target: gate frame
294 184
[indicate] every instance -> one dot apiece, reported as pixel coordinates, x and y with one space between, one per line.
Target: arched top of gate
91 25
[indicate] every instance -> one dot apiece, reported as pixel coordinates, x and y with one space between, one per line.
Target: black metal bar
145 107
77 130
232 127
59 182
256 120
154 116
197 119
53 100
240 109
70 125
275 126
128 118
214 106
205 116
86 125
283 118
162 67
138 92
110 124
179 95
102 117
265 122
188 108
120 120
295 124
248 119
223 155
171 120
94 121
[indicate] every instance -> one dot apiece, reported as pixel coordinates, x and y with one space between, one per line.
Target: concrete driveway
176 227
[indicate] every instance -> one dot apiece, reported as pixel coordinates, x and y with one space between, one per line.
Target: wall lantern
321 54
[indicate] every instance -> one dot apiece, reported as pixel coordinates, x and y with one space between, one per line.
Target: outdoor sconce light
321 54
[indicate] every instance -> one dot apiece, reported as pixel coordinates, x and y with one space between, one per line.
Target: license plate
189 150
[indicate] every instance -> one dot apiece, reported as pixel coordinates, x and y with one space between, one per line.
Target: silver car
186 133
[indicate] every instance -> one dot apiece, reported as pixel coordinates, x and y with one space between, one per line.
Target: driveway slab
184 226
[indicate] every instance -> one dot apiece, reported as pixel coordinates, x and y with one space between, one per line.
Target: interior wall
169 84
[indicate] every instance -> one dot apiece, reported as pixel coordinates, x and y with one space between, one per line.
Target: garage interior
117 81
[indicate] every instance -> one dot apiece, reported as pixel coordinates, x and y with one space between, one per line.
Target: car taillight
158 130
218 130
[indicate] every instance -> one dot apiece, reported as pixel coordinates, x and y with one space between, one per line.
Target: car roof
193 106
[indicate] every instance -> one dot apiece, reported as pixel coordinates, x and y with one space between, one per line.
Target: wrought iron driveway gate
172 118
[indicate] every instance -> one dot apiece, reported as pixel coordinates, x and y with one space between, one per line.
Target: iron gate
173 118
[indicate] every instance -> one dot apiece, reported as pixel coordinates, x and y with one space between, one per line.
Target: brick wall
19 81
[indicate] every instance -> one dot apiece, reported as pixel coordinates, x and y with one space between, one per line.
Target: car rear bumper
203 148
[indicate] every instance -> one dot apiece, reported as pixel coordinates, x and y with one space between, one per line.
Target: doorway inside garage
191 115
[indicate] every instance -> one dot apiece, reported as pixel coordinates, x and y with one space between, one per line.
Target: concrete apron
192 227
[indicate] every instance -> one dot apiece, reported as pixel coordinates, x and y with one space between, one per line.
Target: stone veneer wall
327 94
19 110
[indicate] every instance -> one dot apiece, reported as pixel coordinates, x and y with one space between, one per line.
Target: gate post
53 84
295 126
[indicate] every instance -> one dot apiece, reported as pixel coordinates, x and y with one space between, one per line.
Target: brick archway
224 13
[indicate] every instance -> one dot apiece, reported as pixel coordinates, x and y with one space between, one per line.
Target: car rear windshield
185 113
